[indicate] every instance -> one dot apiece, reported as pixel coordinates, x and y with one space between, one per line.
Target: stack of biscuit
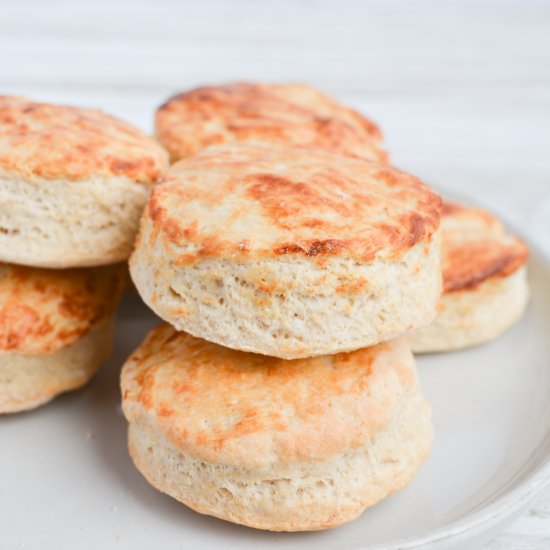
288 260
296 270
73 183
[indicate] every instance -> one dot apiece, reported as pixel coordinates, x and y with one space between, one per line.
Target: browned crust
44 310
60 142
468 266
310 203
476 248
292 114
214 402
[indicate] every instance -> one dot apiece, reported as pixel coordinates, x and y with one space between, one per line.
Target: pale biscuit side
341 306
471 317
28 381
61 223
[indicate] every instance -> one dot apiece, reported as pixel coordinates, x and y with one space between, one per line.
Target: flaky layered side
73 183
484 281
289 309
290 114
272 444
289 254
60 223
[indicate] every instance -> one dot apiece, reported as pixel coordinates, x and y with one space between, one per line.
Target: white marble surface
461 89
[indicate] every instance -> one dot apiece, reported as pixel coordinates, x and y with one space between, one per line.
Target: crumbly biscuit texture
289 308
69 224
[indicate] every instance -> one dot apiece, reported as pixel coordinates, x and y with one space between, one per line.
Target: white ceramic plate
66 481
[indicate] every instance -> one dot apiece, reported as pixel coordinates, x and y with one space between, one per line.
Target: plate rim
497 511
511 501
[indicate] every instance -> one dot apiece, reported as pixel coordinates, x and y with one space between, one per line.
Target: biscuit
56 328
272 444
290 253
485 287
289 114
73 184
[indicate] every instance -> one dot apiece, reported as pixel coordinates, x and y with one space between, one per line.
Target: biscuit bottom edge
469 318
299 496
28 381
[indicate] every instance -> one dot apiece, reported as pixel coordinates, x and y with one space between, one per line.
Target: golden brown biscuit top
475 248
58 142
44 310
249 410
254 200
291 114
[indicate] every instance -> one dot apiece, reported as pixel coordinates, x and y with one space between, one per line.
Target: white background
460 89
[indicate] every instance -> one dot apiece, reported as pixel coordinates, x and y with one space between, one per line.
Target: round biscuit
288 252
296 115
73 184
273 444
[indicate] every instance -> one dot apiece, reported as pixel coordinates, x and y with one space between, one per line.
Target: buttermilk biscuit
484 281
280 445
56 329
289 252
291 114
73 183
